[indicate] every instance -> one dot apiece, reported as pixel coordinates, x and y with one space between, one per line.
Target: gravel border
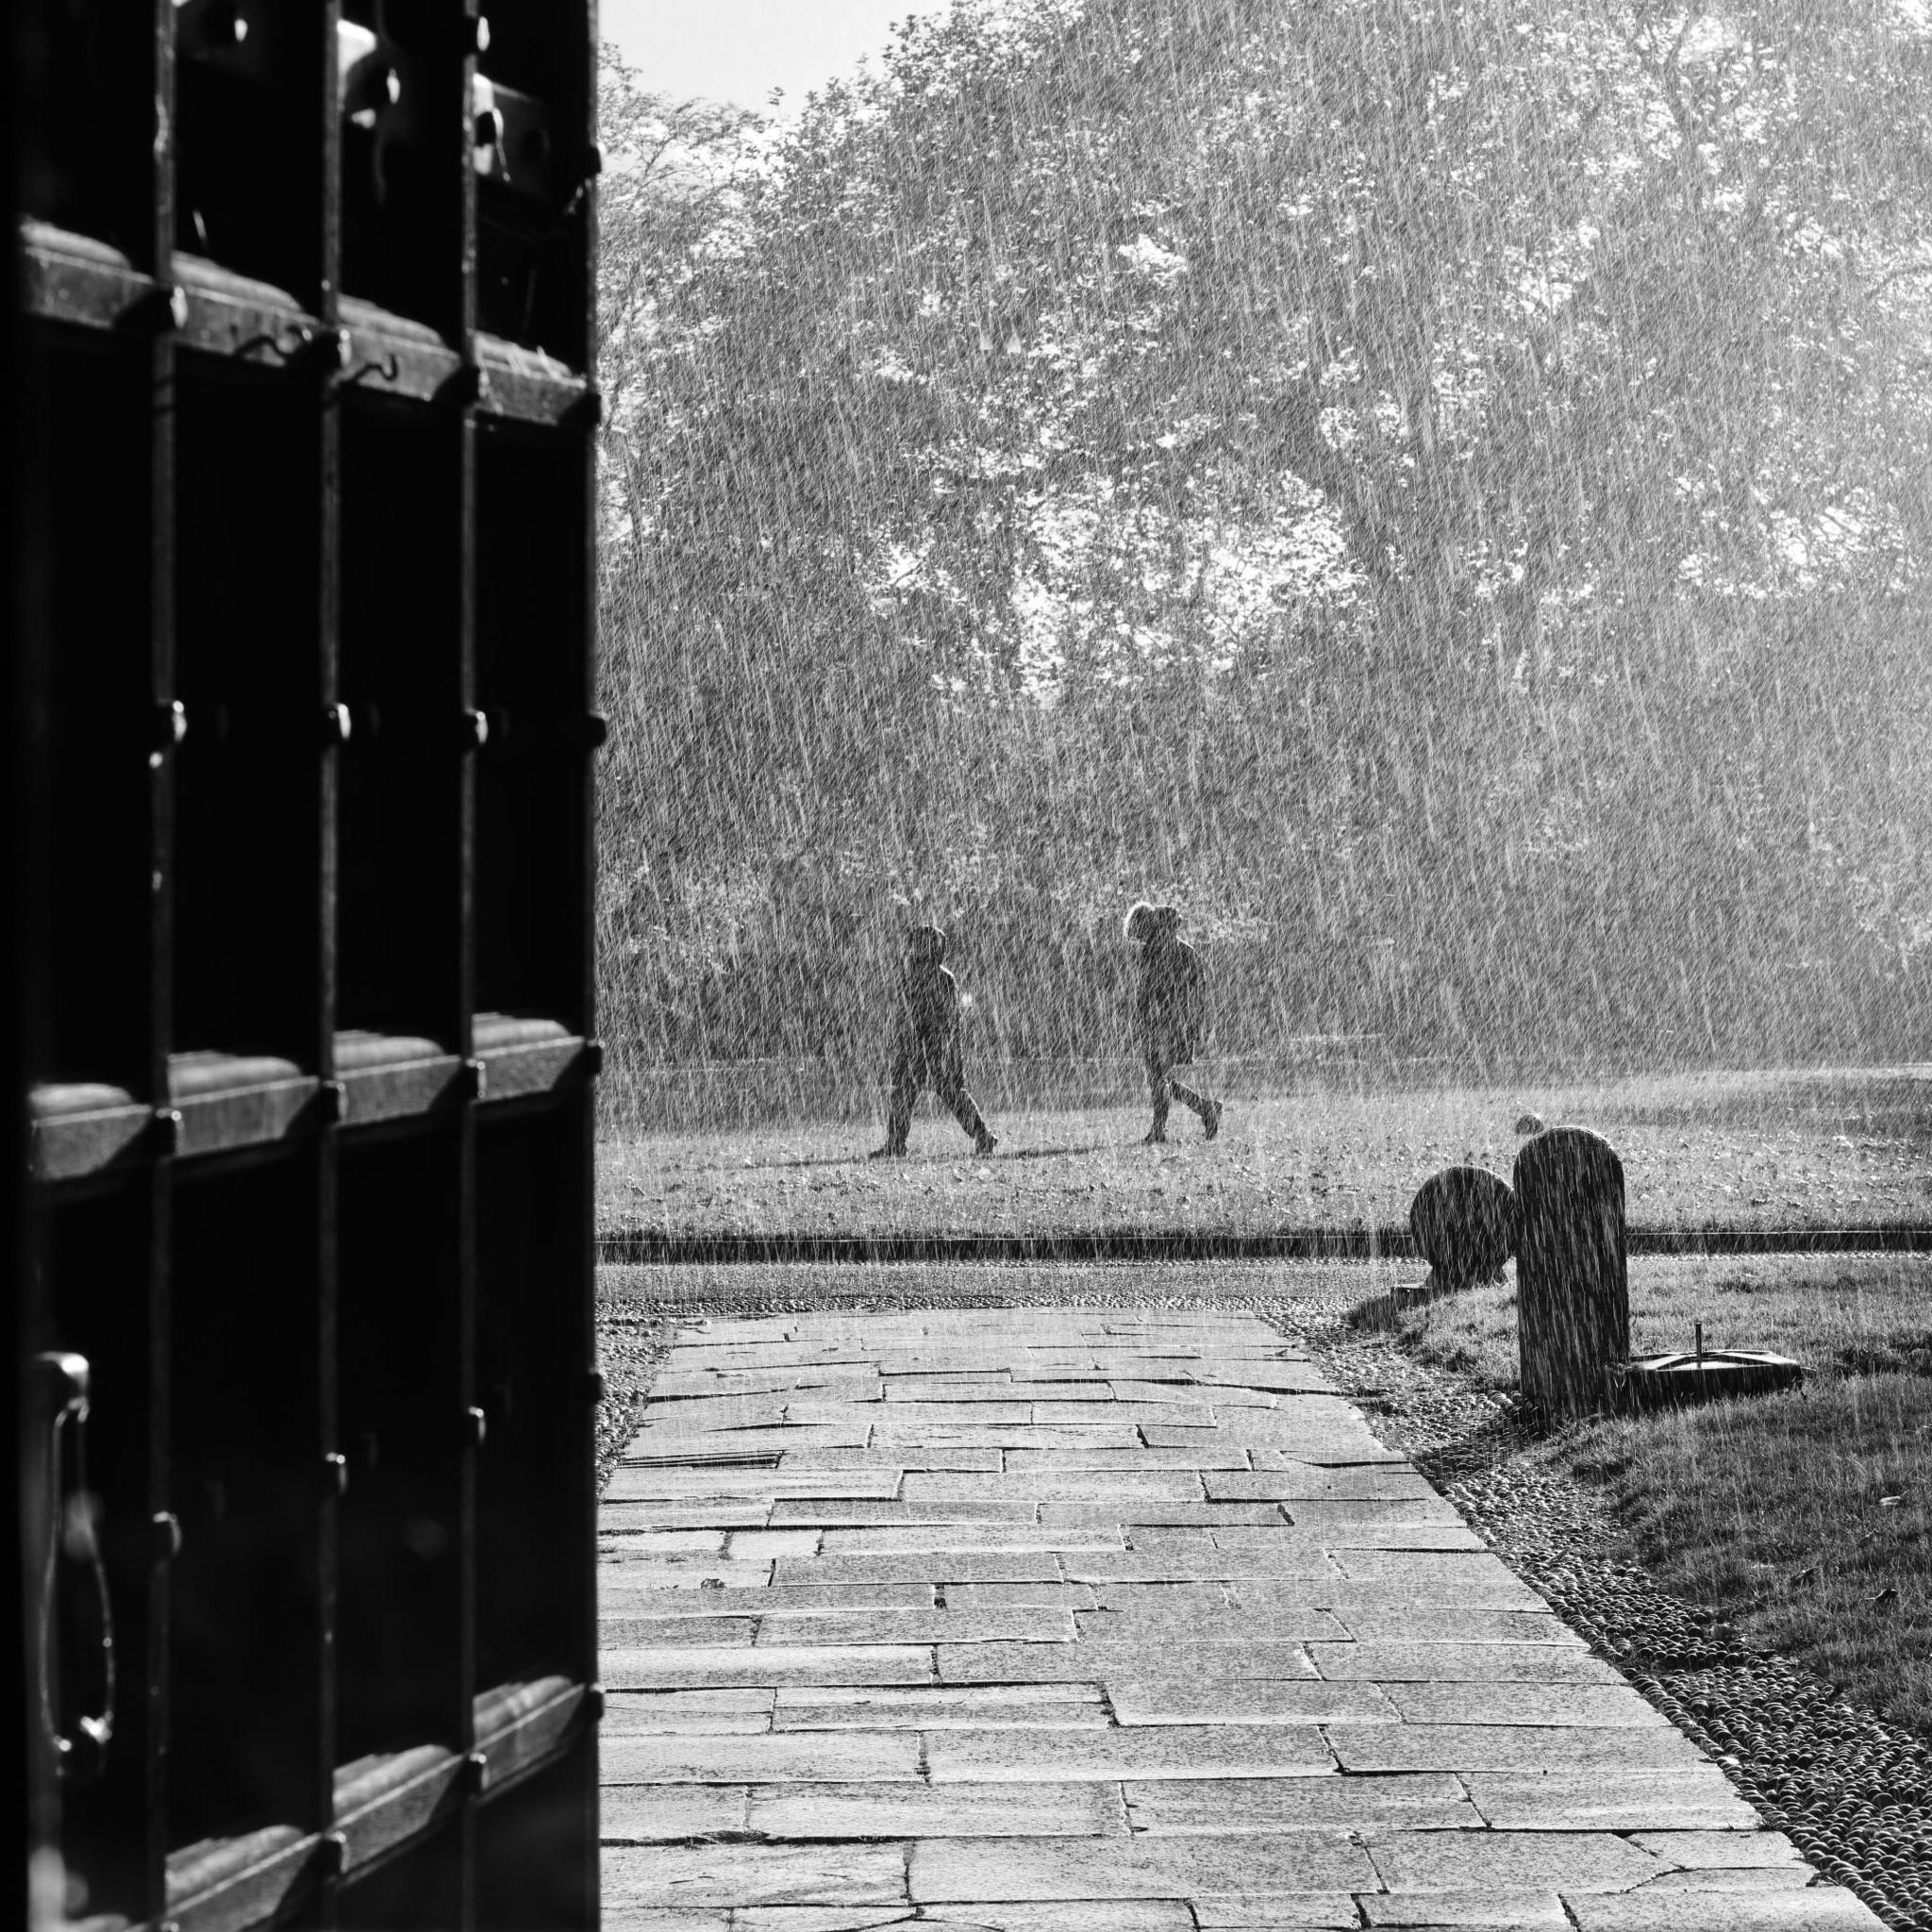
1853 1792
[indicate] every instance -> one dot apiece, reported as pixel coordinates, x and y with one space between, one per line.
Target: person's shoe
886 1154
984 1143
1210 1121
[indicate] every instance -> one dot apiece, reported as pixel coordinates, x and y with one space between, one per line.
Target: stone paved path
1107 1620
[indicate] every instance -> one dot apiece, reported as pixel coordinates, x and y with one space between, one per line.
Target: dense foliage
1442 491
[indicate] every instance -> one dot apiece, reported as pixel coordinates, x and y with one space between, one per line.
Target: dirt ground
1822 1149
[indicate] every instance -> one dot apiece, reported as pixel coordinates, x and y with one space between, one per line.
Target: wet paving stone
1109 1621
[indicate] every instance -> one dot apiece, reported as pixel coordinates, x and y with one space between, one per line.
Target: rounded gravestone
1464 1222
1572 1284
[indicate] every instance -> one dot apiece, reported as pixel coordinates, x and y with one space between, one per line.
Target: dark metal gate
306 720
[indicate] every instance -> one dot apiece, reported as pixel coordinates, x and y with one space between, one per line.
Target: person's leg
1209 1111
899 1108
1156 1086
951 1088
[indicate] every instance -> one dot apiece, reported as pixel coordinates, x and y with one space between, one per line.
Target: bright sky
739 50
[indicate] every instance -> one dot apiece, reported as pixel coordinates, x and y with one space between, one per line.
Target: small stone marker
1530 1124
1464 1222
1572 1287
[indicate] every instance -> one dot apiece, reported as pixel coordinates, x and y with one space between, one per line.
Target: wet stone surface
1853 1792
1135 1696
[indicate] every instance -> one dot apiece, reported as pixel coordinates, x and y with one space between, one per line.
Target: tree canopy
1440 491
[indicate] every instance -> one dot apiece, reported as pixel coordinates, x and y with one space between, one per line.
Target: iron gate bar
187 295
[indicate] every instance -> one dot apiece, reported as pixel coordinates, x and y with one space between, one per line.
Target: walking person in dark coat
926 1047
1168 1008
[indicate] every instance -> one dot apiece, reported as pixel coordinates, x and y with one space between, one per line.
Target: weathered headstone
1572 1286
1464 1222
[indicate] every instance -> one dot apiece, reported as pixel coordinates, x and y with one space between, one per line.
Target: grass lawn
1806 1518
1775 1150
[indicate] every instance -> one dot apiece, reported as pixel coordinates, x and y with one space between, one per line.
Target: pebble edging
1851 1792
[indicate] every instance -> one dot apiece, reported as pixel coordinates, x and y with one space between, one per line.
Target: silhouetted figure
1168 1009
926 1047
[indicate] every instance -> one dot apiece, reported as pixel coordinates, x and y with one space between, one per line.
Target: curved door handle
81 1756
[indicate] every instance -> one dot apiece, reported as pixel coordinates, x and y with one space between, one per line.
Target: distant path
1028 1620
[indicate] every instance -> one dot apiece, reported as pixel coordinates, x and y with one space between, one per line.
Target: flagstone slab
885 1539
858 1811
1164 1625
633 1713
1300 1911
1195 1700
666 1813
1270 1752
756 1545
1118 1411
1471 1912
1358 1534
1139 1512
1069 1596
1698 1797
1734 1880
1463 1663
890 1433
617 1596
1319 1514
1729 1850
1104 1659
675 1667
1418 1572
1312 1482
1503 1747
730 1484
695 1759
861 1384
1056 1461
1008 1388
1009 1708
1516 1703
1198 1563
854 1456
1287 1534
724 1412
1107 1486
1430 1624
616 1631
1423 1802
674 1434
746 1874
1573 1861
657 1516
1016 1623
954 1417
918 1563
622 1916
1329 1591
695 1573
1219 1398
1070 1915
1818 1909
1147 1867
864 1512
